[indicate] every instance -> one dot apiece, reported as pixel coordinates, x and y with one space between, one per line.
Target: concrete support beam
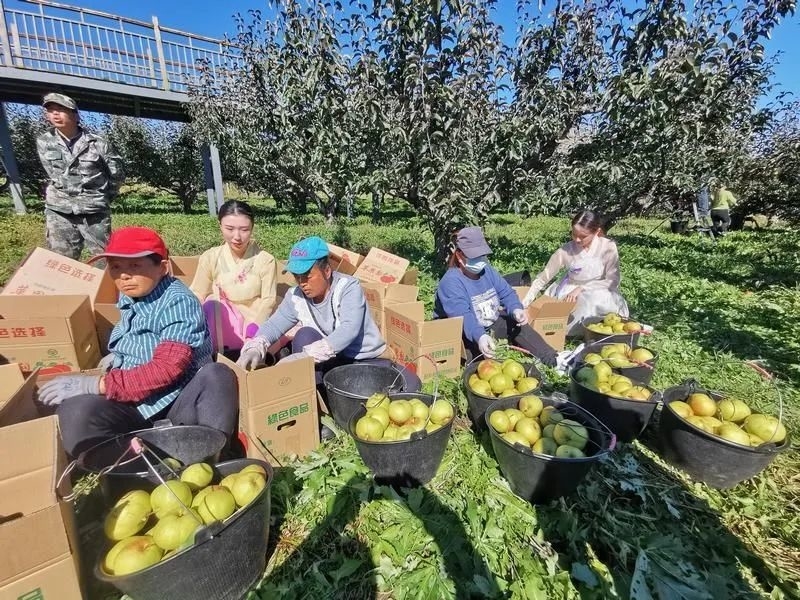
208 177
10 163
216 168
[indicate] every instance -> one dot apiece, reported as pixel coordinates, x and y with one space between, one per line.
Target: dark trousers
506 328
307 335
721 218
211 398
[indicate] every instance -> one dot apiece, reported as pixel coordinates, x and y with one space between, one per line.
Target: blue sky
214 18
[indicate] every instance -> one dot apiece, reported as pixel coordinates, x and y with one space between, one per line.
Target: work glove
320 351
565 358
106 363
486 345
253 354
55 391
520 316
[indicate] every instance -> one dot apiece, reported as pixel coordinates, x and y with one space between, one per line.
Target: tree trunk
377 198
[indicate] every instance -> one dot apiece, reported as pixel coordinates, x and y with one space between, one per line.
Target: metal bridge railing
69 40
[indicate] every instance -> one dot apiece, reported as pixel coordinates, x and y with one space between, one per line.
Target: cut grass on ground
635 525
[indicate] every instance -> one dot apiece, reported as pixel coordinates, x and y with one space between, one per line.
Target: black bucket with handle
704 456
349 386
227 559
540 478
186 443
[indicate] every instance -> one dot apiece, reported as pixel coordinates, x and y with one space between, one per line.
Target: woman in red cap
159 364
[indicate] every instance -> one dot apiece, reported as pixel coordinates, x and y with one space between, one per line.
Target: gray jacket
342 318
84 180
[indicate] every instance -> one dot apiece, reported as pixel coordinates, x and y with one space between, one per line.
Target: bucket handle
564 398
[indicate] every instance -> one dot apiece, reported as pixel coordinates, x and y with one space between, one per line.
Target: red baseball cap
133 242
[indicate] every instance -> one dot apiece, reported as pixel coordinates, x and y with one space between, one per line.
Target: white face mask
475 265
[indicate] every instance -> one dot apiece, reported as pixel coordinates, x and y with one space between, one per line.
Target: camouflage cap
61 100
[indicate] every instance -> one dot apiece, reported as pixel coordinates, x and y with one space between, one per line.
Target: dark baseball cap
471 242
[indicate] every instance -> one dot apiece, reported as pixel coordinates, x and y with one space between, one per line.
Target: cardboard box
548 316
45 273
381 295
105 317
184 267
38 538
344 260
53 333
411 338
278 409
383 267
16 395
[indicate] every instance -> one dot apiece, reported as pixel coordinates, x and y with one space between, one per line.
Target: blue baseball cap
305 253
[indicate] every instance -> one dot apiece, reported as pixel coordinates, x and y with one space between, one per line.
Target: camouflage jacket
81 181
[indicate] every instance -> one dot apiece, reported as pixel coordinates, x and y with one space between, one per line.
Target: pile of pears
613 323
619 356
544 429
493 379
396 420
149 528
729 419
601 378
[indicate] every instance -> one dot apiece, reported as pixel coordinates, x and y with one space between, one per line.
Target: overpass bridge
107 63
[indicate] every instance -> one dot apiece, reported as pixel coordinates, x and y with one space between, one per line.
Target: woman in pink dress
236 281
592 274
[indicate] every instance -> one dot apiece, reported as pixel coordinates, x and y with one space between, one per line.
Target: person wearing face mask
235 282
592 274
471 288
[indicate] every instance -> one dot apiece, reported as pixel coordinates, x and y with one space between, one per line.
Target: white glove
486 345
253 354
55 391
520 316
565 358
320 351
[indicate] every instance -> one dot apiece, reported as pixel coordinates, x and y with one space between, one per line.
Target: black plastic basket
186 443
226 561
540 478
625 417
704 456
641 372
403 463
590 337
349 386
477 404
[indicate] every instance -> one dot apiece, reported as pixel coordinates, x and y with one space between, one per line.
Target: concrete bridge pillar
212 172
10 162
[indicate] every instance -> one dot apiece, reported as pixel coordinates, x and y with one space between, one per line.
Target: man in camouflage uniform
84 176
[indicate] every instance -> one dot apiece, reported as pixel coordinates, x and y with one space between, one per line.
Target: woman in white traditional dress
592 274
236 282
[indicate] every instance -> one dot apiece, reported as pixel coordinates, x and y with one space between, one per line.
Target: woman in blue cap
336 327
472 289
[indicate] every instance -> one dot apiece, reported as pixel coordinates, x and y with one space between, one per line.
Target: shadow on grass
345 562
644 525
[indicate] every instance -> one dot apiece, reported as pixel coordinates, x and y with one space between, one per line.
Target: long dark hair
236 207
589 219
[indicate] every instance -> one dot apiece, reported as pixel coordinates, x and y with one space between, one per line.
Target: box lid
382 266
46 273
546 307
270 384
16 394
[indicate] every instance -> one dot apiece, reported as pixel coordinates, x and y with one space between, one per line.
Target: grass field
635 528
